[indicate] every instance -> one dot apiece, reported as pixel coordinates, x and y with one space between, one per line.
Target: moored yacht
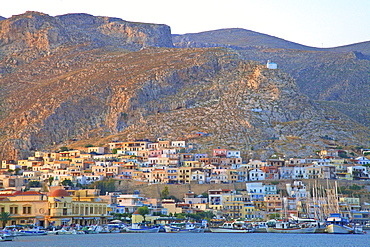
232 227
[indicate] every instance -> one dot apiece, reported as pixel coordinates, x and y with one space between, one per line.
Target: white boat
232 227
171 229
6 236
32 232
139 228
183 228
288 227
358 230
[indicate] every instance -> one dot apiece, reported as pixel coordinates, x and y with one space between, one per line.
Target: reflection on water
193 240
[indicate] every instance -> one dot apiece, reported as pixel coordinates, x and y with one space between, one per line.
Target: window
26 210
13 210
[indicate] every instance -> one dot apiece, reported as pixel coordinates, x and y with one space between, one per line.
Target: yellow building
184 175
170 206
59 208
28 207
80 208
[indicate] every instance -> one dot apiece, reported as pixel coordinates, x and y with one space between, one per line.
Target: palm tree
4 218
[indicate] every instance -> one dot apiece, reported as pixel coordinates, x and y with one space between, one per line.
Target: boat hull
149 230
6 237
338 229
32 233
291 230
229 230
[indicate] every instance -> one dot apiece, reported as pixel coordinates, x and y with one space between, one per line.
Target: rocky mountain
336 76
78 79
26 37
361 48
2 18
235 38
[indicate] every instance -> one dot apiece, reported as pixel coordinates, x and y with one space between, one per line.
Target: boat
335 224
171 229
290 227
141 228
6 236
358 229
232 227
185 227
32 232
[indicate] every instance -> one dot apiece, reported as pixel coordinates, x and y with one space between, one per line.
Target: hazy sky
319 23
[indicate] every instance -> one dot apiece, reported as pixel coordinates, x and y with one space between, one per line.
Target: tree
143 211
165 192
67 182
174 198
63 149
34 184
50 179
104 186
4 218
205 195
206 215
17 171
274 216
89 146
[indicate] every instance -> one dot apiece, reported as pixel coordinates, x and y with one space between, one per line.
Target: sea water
194 240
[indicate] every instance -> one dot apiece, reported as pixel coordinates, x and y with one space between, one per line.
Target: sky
317 23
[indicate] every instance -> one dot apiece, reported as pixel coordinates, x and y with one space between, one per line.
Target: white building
129 203
300 172
256 175
232 154
271 65
198 176
181 144
362 161
297 190
256 191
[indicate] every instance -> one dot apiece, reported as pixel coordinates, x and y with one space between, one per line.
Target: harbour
190 239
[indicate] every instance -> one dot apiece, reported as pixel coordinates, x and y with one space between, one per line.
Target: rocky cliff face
336 76
161 93
76 88
26 37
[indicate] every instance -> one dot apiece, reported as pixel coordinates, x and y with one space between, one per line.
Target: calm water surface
193 240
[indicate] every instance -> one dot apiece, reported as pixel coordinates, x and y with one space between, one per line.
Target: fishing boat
289 227
141 228
232 227
335 224
171 229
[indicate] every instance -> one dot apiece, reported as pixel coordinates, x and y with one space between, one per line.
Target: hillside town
61 188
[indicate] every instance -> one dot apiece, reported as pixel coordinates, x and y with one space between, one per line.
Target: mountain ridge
237 36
